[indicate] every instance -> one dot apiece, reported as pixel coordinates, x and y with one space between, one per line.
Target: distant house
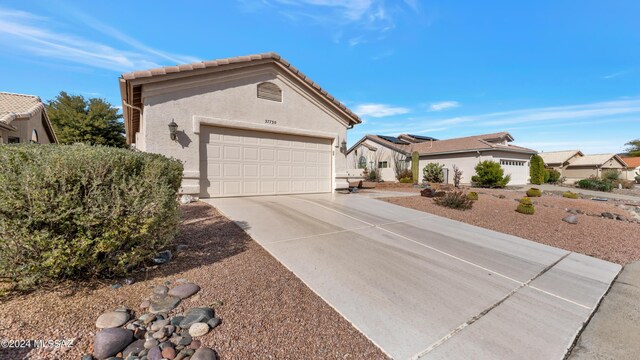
382 152
633 167
559 160
23 119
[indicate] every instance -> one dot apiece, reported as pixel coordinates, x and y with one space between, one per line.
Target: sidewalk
599 194
613 331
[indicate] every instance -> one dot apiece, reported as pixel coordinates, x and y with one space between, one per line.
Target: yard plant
569 195
553 176
76 211
472 195
536 170
433 173
454 200
490 174
534 192
595 184
526 206
415 166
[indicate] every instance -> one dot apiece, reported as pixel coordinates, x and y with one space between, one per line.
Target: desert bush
610 175
472 195
454 200
526 206
569 195
595 184
534 192
433 173
625 184
406 180
373 175
490 174
554 176
536 170
75 211
457 176
404 173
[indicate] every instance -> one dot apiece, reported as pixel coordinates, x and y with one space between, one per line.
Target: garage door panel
237 162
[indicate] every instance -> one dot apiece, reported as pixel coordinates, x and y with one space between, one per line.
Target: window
14 140
362 162
34 136
512 162
382 165
269 91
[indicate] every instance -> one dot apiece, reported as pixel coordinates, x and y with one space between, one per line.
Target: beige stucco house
23 119
573 165
249 125
466 152
633 167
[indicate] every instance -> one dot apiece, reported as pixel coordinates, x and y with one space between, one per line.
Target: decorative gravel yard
266 311
609 239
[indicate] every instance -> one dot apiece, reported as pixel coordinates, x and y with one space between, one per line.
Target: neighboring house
23 119
464 152
592 166
633 167
559 160
249 125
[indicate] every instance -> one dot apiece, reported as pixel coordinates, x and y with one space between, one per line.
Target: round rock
169 353
196 315
166 304
112 319
133 348
183 291
150 343
198 329
109 342
204 354
154 353
571 219
213 323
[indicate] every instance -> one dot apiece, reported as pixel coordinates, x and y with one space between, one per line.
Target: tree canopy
78 120
633 147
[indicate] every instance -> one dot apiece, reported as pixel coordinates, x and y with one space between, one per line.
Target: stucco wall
25 128
230 99
382 153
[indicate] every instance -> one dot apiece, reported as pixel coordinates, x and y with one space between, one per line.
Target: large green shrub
433 173
490 174
72 211
595 184
536 169
454 200
610 175
553 176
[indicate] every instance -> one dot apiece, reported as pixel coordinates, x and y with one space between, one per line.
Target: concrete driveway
423 286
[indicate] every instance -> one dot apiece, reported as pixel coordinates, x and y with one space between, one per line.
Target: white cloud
31 34
444 105
616 74
379 110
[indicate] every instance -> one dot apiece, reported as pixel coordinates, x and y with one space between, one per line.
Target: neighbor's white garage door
236 162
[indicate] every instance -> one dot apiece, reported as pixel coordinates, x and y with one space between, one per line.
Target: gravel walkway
267 311
612 240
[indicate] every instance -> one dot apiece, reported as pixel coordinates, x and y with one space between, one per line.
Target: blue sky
556 74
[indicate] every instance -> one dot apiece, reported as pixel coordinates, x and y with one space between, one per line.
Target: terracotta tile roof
559 157
272 56
16 106
632 162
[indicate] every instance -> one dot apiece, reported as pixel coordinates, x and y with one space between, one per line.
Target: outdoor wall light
343 146
173 130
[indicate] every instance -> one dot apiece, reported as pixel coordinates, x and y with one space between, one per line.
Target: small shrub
406 180
404 173
373 175
472 195
638 179
611 175
536 170
457 176
454 200
534 192
554 176
569 195
526 206
433 173
79 211
490 174
595 184
625 184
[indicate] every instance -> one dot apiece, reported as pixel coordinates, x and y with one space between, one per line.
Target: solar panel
393 139
425 138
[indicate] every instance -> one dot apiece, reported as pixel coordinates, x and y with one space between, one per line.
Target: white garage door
236 162
518 169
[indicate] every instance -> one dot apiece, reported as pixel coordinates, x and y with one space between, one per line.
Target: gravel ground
612 240
267 311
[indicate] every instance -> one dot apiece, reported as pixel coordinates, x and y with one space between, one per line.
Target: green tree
536 170
93 121
633 147
490 174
